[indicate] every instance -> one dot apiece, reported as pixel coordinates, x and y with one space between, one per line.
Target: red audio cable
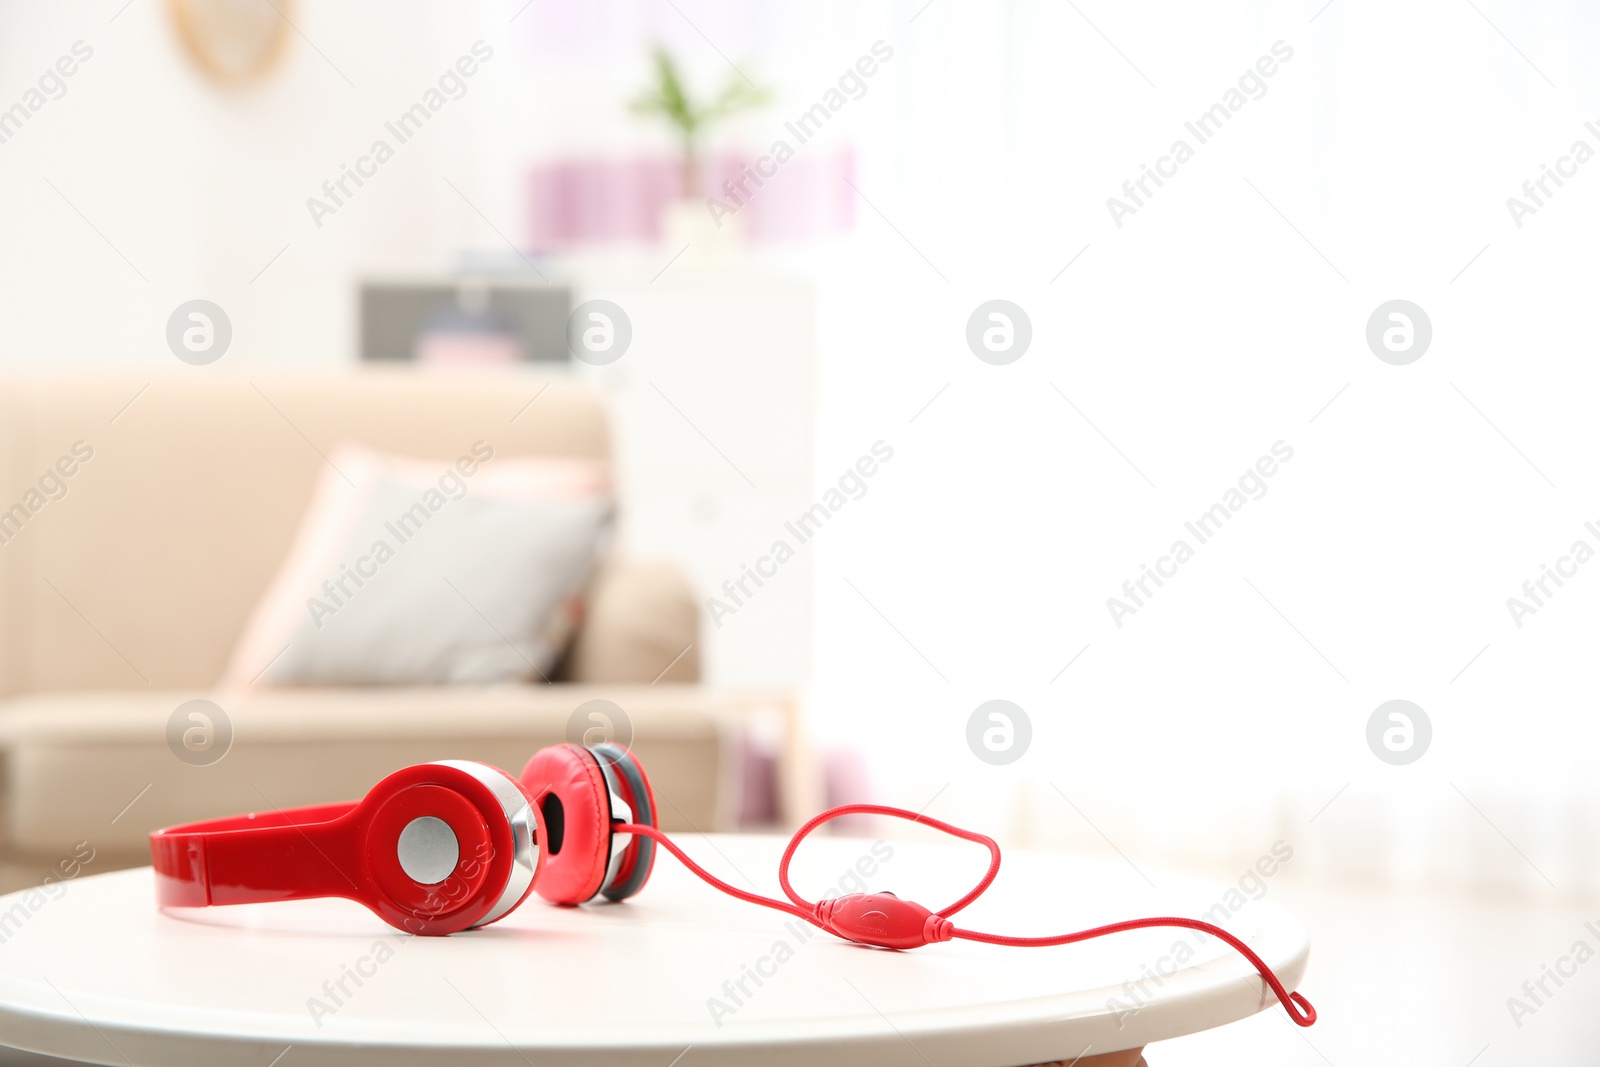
885 920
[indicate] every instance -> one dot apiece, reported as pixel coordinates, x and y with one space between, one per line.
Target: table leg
1133 1057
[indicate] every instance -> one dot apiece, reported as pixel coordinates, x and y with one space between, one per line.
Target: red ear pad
635 790
570 792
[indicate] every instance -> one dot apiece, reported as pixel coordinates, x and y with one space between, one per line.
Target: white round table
679 976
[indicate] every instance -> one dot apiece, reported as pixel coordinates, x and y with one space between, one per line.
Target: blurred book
464 323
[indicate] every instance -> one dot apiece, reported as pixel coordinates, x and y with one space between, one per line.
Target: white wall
1193 337
200 187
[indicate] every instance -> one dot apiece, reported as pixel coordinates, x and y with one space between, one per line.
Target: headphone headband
218 861
432 849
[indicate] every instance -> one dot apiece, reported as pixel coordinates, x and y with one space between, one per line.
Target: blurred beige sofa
124 585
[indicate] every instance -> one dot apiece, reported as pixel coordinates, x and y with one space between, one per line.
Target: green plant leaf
668 98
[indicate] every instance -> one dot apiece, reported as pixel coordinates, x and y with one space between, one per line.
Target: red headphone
449 846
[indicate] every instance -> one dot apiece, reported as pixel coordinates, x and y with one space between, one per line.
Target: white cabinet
715 412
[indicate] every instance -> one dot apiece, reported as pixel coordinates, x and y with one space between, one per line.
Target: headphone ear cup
640 856
568 788
449 845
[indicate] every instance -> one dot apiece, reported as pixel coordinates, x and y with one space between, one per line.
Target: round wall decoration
234 42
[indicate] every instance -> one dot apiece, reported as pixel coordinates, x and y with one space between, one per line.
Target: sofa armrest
642 626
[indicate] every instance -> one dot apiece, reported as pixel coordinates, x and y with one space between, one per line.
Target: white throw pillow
408 572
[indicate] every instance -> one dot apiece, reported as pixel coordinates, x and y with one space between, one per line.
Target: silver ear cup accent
428 850
619 843
519 813
620 812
